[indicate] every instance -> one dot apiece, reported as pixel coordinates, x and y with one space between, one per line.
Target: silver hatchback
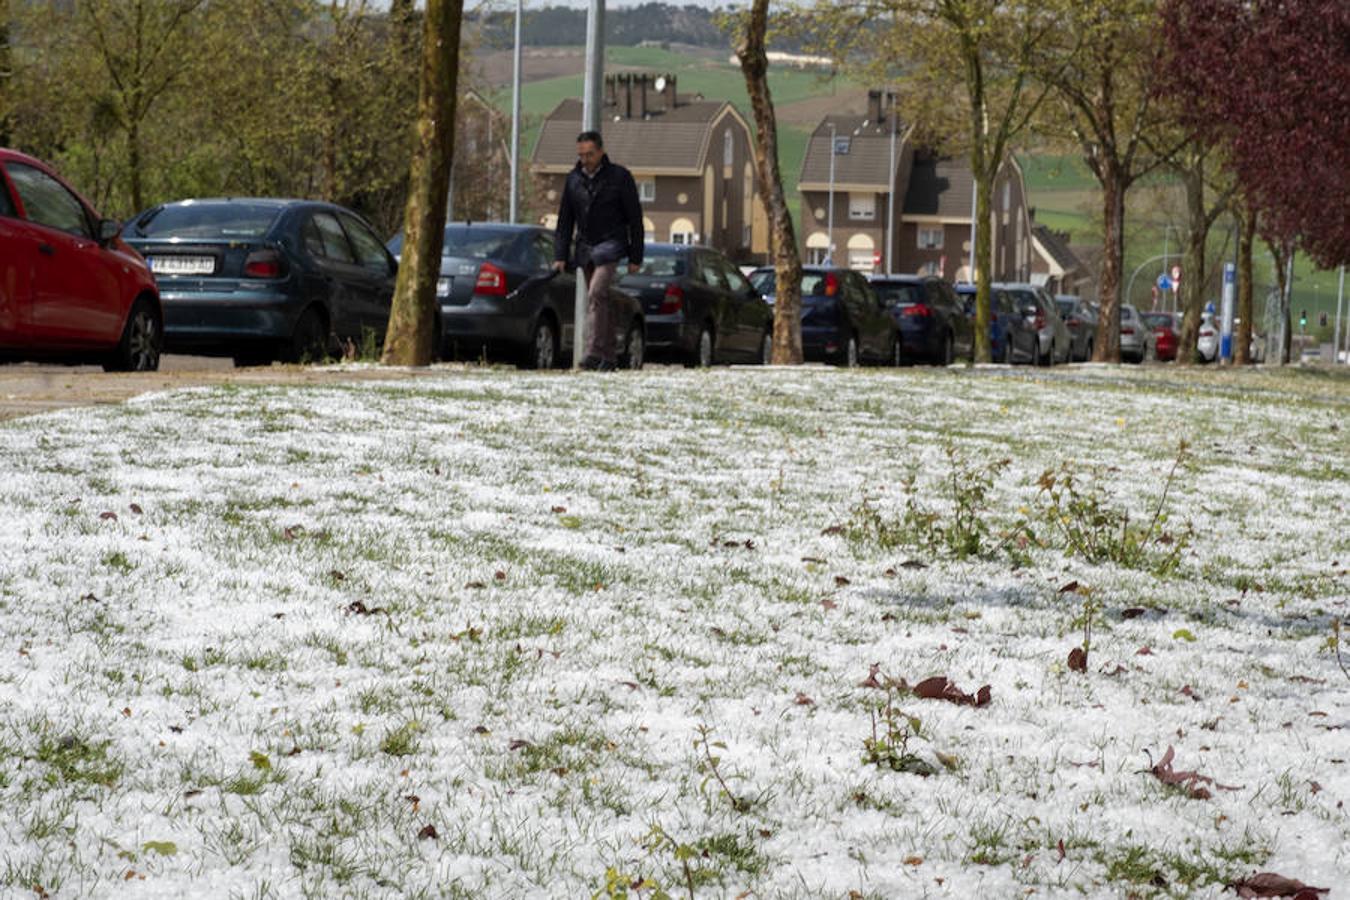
1054 343
1136 338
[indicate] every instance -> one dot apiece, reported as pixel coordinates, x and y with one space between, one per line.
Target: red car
70 289
1166 327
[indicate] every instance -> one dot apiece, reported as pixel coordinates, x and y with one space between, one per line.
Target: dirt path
27 389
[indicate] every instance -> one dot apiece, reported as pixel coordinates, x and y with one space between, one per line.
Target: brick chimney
874 113
668 95
638 104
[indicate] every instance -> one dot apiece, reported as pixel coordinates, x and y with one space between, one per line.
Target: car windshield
662 262
231 219
1065 307
1157 320
764 281
813 283
898 292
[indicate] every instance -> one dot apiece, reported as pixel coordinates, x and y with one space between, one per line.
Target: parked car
70 288
931 317
1053 340
1081 319
843 319
1012 338
1166 329
699 307
498 297
1136 338
261 279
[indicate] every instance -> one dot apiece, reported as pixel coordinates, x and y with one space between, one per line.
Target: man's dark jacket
604 207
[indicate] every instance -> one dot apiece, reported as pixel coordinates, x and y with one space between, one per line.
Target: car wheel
309 342
766 349
141 344
543 350
635 349
1088 358
1007 350
1044 359
703 349
851 360
949 351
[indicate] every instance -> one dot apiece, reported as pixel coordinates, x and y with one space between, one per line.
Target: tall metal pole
590 121
1336 340
829 220
894 124
515 119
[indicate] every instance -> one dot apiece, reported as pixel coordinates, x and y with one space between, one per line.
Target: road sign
1164 283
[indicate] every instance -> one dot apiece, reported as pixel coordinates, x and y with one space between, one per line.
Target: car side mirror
108 230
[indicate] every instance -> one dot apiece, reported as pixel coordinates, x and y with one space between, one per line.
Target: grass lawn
499 634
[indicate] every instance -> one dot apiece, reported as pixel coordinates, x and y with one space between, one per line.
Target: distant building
1055 265
692 158
932 197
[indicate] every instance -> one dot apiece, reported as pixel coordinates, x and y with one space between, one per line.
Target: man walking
600 202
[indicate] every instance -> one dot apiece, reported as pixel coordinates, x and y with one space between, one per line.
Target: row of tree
142 101
1243 101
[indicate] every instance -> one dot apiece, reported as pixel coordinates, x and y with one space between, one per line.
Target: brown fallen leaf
519 744
1268 884
1143 651
827 603
841 581
1078 659
913 860
1133 612
913 564
833 529
428 832
108 515
559 510
136 508
1069 588
814 559
940 687
803 700
1188 781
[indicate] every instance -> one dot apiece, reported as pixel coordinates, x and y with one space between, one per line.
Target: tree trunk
984 257
1107 347
1242 354
1278 345
787 263
1193 263
6 76
134 164
408 341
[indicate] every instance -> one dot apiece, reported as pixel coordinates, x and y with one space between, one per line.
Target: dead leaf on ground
428 832
1069 588
803 700
1268 884
108 515
136 508
833 529
913 564
1188 781
940 687
1078 659
827 603
841 581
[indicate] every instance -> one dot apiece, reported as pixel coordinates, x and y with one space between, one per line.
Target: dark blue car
700 309
1012 339
932 318
263 279
498 298
843 319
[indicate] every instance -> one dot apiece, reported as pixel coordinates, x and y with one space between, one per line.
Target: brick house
932 211
1055 265
692 159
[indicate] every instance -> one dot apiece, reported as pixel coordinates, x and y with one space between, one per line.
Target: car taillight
1127 331
831 284
491 281
916 309
264 264
1074 322
673 301
1038 321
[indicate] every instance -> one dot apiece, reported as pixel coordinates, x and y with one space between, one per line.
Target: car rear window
1065 307
764 280
662 263
1157 320
898 292
207 220
470 241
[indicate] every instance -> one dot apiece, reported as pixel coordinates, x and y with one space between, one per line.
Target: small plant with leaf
711 766
892 730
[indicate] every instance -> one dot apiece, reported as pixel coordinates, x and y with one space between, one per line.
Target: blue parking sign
1164 283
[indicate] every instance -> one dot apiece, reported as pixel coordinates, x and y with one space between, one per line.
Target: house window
728 147
817 256
647 190
862 206
930 238
682 232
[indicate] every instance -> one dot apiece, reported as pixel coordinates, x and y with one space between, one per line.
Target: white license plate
182 265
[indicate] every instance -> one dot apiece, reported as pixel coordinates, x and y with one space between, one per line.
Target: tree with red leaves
1268 82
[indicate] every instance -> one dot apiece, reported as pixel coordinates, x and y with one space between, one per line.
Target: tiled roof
668 140
867 161
1057 247
939 187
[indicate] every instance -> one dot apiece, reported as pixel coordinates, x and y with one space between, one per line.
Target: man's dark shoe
592 363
